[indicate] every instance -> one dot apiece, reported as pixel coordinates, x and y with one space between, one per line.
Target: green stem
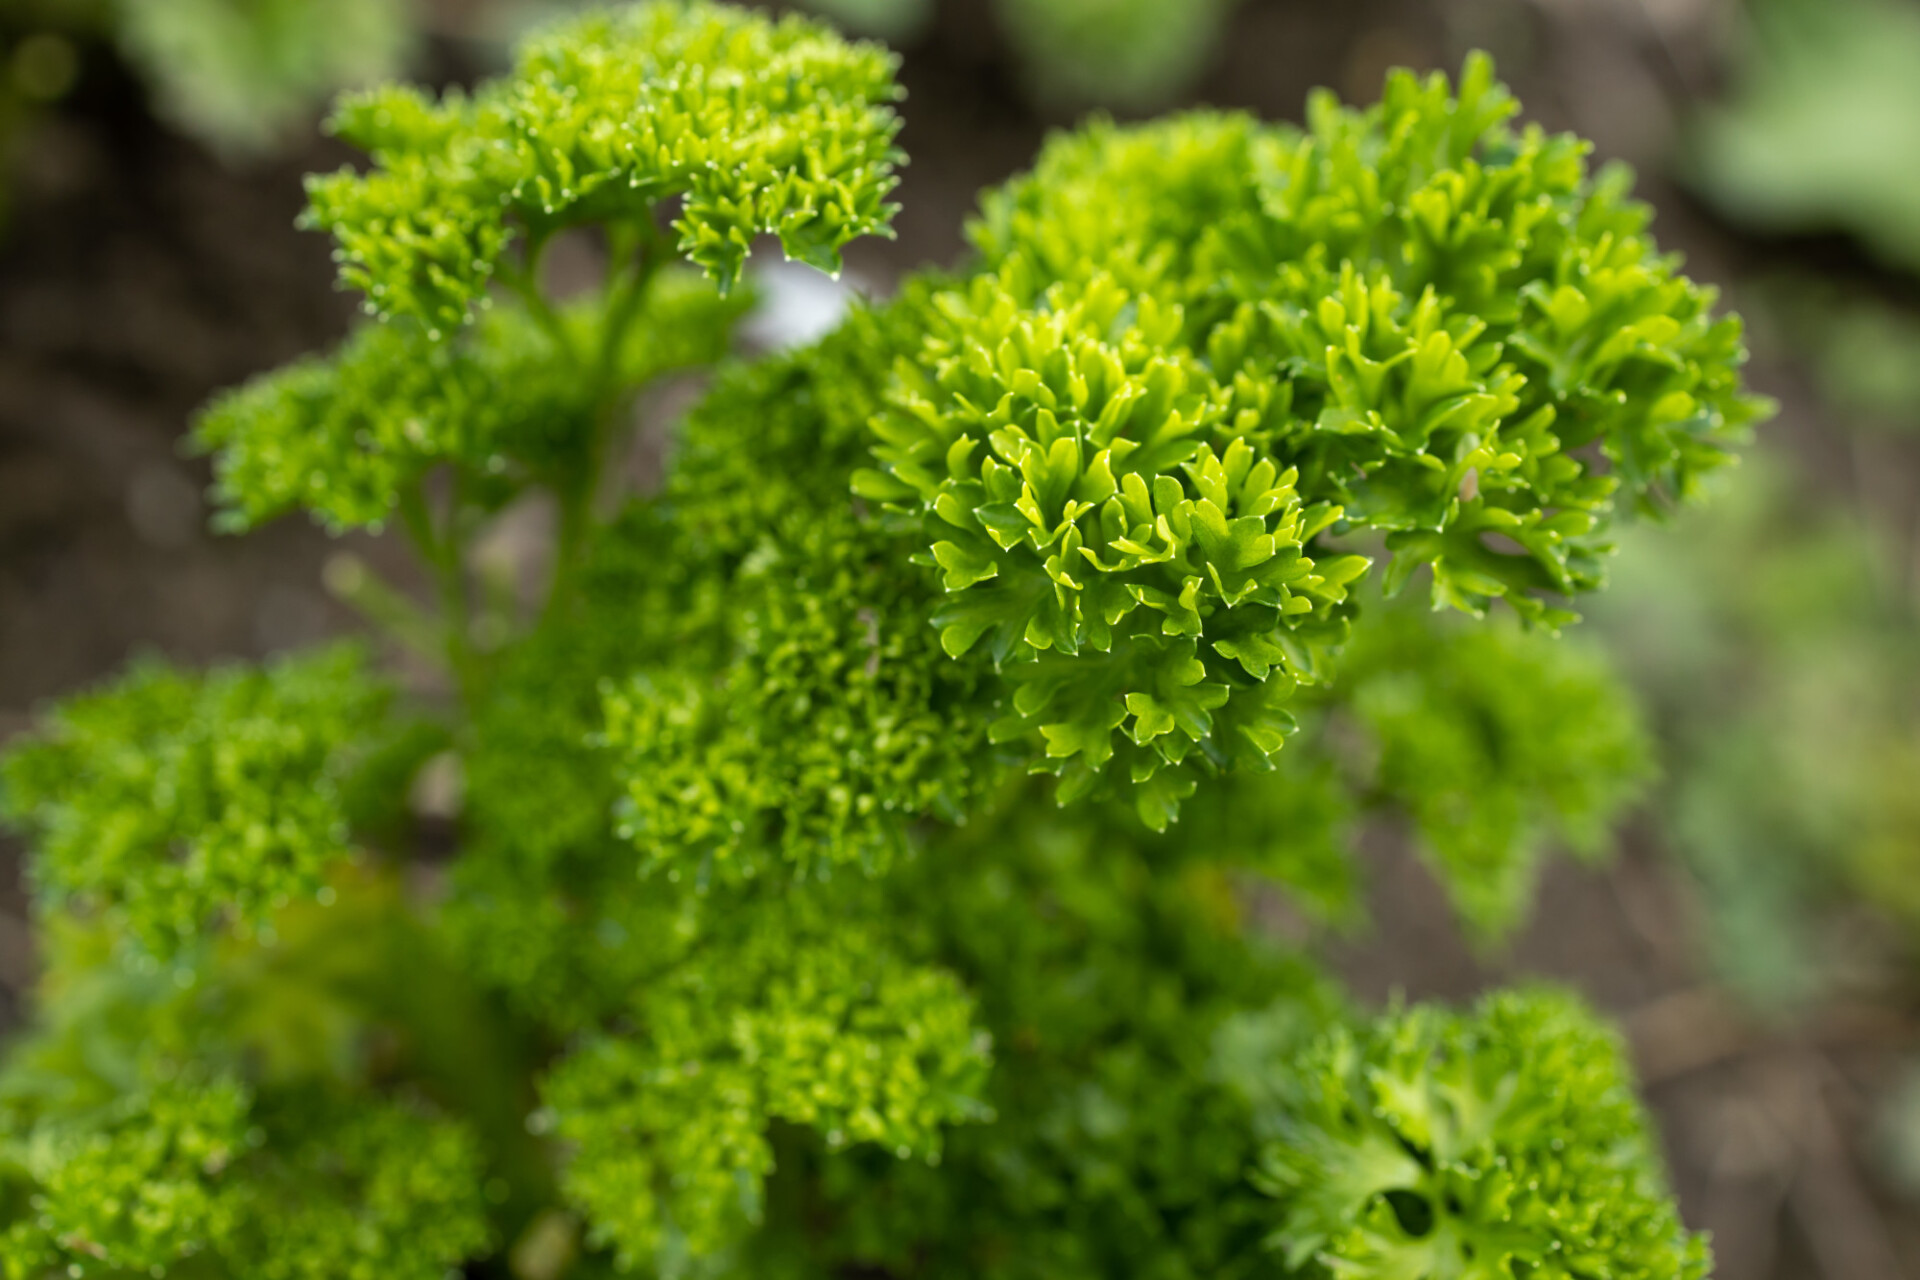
568 541
523 282
637 252
522 287
444 558
392 612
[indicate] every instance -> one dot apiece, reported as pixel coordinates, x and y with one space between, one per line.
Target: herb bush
857 844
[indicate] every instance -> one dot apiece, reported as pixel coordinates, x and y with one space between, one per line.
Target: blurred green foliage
1498 748
1861 353
243 74
1823 94
274 1106
1780 654
1133 55
1779 642
1130 54
177 803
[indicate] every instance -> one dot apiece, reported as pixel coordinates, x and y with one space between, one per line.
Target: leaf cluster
1496 747
1499 1143
756 127
222 1113
793 1010
831 720
348 437
172 803
1200 353
1103 969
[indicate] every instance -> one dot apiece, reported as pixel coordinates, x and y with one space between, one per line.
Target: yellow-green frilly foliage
851 850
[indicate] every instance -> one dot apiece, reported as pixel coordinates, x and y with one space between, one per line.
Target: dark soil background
138 275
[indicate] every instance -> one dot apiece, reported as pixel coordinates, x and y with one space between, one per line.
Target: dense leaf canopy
1502 1143
760 128
761 949
175 802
